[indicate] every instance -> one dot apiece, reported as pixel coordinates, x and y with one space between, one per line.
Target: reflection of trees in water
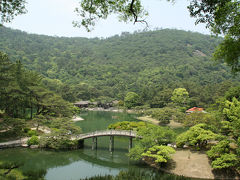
142 174
35 163
93 158
12 170
38 174
37 160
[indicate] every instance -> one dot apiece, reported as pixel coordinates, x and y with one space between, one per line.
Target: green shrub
33 141
225 161
57 140
26 129
121 103
181 140
164 115
76 110
160 154
131 100
197 136
31 133
126 125
219 149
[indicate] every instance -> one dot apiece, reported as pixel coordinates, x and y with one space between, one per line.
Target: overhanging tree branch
131 10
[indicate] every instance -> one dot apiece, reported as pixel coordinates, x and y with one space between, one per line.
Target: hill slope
145 62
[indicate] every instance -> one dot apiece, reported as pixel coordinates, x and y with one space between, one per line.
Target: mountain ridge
152 60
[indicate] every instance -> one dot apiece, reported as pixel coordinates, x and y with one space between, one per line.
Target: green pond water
82 163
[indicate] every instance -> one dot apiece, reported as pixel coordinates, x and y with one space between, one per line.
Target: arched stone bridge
107 133
94 135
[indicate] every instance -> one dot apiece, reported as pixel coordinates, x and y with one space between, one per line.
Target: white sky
54 17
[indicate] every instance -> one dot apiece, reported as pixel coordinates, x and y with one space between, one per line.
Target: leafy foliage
23 96
13 170
212 119
136 152
225 161
131 100
155 135
152 135
151 64
161 154
9 9
33 141
22 91
127 125
232 112
12 127
225 155
180 96
91 11
232 92
10 171
228 51
219 149
31 133
58 139
222 17
197 136
161 99
164 115
61 133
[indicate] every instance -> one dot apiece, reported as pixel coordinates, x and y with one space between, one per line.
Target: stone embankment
112 109
77 118
16 143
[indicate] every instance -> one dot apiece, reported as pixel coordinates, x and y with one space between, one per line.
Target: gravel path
195 164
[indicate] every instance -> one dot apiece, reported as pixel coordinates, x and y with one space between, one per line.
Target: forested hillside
152 64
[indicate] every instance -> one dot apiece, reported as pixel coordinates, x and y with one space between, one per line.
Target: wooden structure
195 109
111 133
82 104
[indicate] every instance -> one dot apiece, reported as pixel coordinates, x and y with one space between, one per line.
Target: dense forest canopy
220 16
159 73
148 63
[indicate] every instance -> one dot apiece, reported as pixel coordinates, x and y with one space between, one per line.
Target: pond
82 163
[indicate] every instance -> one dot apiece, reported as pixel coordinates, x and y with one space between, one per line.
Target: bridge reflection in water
111 133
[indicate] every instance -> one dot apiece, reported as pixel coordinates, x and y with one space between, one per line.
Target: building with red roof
195 109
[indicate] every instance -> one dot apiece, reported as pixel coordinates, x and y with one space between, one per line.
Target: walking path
195 164
15 143
148 119
174 124
191 164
